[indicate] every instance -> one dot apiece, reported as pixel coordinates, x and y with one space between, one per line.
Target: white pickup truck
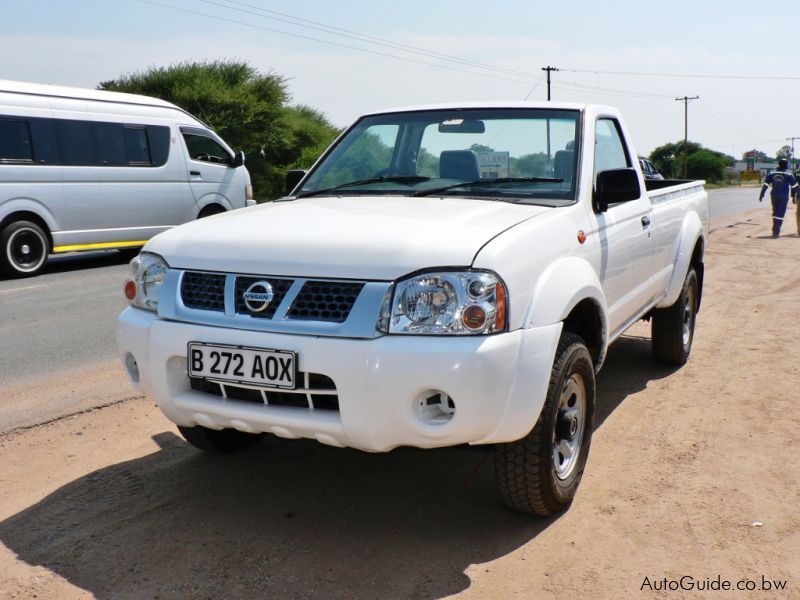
442 275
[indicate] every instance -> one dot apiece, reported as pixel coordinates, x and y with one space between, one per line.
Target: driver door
209 164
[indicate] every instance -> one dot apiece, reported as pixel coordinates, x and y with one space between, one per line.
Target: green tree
668 158
248 109
783 152
706 164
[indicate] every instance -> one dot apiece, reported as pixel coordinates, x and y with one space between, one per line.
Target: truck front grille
310 300
325 301
203 291
316 392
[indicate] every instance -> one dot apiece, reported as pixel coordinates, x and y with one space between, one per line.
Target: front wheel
539 474
672 329
23 249
220 441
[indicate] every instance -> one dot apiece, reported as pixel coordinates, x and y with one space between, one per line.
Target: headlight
143 287
446 303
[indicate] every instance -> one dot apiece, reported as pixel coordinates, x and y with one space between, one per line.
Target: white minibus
88 169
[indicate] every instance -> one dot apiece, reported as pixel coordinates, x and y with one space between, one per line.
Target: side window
136 146
159 139
110 144
206 149
609 149
76 143
15 142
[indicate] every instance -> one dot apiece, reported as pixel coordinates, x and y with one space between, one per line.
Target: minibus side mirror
238 159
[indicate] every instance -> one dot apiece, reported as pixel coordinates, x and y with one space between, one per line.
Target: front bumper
498 383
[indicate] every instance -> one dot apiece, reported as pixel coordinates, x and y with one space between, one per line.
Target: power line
330 43
686 75
528 95
609 91
362 37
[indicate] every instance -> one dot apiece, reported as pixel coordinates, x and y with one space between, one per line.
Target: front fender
691 231
212 198
560 288
566 283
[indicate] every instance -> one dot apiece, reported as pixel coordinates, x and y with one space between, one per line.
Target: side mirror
238 159
293 177
615 185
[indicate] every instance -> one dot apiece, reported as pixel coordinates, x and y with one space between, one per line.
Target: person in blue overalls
783 183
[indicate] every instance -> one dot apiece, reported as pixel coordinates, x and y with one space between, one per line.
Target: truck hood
351 237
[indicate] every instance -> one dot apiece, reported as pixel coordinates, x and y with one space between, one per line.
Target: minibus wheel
23 249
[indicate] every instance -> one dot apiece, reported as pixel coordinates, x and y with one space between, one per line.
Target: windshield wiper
483 182
393 179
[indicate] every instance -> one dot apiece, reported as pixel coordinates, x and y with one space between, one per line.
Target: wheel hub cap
569 428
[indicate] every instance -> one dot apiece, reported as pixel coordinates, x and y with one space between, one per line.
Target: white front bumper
498 383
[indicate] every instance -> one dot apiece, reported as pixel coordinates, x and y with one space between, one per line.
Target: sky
347 58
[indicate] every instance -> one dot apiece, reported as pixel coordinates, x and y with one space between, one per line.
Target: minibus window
206 149
15 142
158 137
110 144
75 143
137 146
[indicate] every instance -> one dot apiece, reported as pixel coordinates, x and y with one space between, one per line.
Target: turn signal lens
500 307
474 317
130 289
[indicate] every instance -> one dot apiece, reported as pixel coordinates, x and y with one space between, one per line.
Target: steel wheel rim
688 317
570 426
26 249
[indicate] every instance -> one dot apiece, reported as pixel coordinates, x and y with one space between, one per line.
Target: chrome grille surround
301 305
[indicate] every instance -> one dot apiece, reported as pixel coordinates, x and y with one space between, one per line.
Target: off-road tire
672 329
525 470
218 441
24 248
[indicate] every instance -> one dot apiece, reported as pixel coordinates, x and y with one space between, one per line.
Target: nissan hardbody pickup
442 275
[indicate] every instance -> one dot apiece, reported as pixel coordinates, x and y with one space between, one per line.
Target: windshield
515 155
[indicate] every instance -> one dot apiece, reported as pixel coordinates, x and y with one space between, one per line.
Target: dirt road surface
693 472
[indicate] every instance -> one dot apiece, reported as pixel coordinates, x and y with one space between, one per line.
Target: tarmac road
60 326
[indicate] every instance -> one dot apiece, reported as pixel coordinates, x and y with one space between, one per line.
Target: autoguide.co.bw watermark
708 584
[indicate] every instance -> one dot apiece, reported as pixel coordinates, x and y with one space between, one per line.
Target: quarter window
206 149
136 145
15 142
609 149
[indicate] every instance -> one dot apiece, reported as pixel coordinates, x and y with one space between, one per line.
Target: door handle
645 222
195 173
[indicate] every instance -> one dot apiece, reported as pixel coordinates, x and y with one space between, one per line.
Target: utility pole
686 100
791 158
548 68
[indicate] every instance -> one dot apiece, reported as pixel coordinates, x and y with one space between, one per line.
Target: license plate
236 364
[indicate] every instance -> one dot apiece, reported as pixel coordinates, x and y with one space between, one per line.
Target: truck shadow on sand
289 518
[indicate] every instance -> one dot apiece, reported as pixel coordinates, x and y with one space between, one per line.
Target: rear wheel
672 328
211 209
221 441
23 249
540 473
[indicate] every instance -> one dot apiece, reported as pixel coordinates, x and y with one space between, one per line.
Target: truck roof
42 89
498 104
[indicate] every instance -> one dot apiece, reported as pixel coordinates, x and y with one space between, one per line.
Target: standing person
782 183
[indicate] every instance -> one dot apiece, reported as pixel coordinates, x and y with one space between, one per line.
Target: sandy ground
112 503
